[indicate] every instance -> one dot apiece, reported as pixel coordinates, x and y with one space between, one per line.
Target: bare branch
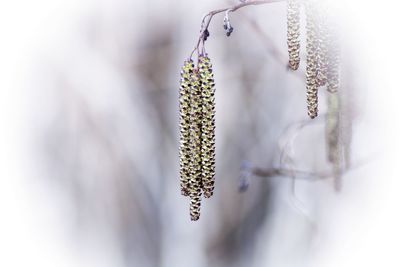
205 22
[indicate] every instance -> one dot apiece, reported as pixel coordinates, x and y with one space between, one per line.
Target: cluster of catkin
322 62
197 132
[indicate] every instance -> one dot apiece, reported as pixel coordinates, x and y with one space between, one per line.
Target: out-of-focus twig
300 174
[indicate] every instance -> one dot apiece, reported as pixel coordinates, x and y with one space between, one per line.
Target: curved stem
211 14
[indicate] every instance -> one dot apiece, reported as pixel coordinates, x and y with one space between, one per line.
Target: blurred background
89 139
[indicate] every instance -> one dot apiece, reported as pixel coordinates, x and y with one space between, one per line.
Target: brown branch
205 24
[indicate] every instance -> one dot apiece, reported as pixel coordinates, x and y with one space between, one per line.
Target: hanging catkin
311 66
332 127
334 123
293 33
195 182
333 63
184 123
333 132
322 45
208 125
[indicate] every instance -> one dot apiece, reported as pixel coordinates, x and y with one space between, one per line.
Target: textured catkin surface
184 124
322 45
293 33
195 182
333 58
208 125
311 67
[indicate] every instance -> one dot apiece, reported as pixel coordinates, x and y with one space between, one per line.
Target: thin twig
205 24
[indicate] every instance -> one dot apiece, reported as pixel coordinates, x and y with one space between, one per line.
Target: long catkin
322 47
195 182
184 123
293 33
333 77
208 125
311 66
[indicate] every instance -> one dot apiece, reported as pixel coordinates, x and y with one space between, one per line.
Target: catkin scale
311 66
195 181
208 125
293 33
184 123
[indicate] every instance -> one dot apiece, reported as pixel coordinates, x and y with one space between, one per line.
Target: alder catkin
184 124
311 66
332 127
333 132
293 33
195 181
333 63
322 46
208 125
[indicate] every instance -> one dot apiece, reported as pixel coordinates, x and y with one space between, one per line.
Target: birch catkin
333 80
208 125
311 66
322 47
184 113
195 182
293 33
197 131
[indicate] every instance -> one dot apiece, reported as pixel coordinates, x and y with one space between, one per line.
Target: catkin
332 127
311 66
322 47
293 33
195 182
208 125
184 123
333 139
333 63
197 132
334 131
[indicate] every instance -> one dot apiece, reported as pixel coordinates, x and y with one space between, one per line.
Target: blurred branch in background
116 180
